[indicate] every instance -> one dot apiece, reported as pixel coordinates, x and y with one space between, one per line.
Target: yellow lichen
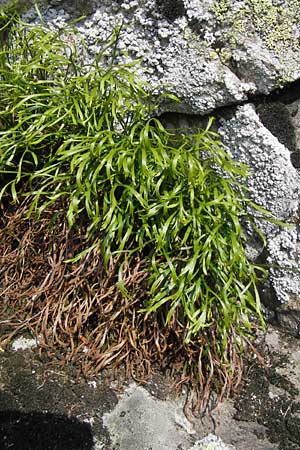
275 24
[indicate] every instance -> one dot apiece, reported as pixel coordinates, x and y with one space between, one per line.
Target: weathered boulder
208 52
274 183
252 137
211 54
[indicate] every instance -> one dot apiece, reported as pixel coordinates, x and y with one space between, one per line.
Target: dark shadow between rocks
171 9
275 116
43 431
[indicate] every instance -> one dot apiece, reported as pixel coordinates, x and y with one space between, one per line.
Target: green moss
274 23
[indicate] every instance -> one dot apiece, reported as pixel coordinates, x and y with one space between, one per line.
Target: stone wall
238 60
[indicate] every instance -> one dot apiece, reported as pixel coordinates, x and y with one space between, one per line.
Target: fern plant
83 142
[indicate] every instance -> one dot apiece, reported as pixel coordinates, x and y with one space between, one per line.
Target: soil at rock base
43 407
272 400
46 408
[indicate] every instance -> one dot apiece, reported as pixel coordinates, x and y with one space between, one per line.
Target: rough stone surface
270 396
273 184
208 52
23 343
273 181
211 442
141 421
44 407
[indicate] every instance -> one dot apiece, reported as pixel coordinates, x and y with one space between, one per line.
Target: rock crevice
236 59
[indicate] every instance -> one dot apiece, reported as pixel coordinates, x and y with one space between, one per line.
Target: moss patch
275 24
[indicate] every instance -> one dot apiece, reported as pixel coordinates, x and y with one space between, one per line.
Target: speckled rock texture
208 52
211 54
211 442
274 183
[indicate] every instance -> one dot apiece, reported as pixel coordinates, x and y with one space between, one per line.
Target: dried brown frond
77 311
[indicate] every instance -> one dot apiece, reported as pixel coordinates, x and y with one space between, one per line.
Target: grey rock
212 53
140 421
273 184
23 343
277 118
273 181
289 320
209 53
211 442
294 109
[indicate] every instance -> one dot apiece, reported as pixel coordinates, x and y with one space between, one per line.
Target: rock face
208 52
274 184
211 54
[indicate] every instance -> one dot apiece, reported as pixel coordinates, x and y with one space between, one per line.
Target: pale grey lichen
209 55
214 55
283 259
273 184
23 343
211 442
